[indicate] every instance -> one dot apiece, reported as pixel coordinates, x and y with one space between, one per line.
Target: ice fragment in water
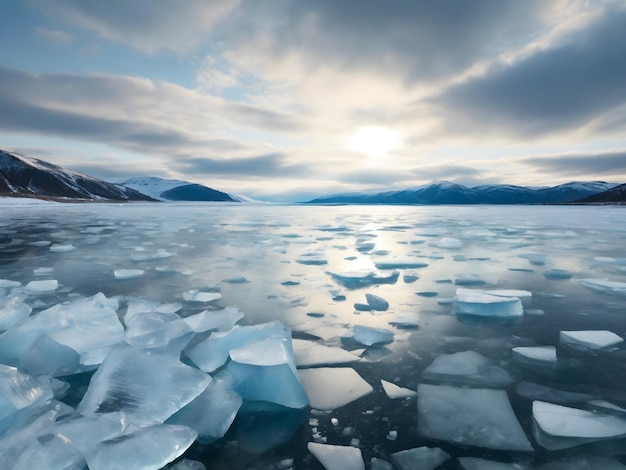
474 417
369 336
60 248
449 243
473 463
535 259
195 295
605 286
593 339
337 457
393 391
211 413
376 302
8 284
149 448
42 271
329 388
186 464
265 371
544 354
468 279
42 287
364 278
220 320
572 426
524 295
405 319
315 258
477 302
86 432
535 391
144 385
165 332
236 280
213 352
12 311
557 274
144 256
311 354
379 464
128 273
19 390
467 367
137 306
420 458
401 263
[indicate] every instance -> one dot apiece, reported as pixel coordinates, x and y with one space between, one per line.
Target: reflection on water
284 263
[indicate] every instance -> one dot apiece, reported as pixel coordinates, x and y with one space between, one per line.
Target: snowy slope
444 192
152 186
30 177
176 190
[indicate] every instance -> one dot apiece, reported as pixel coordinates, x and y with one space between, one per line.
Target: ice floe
422 458
542 354
312 354
364 278
128 273
337 457
605 286
467 367
591 339
376 302
369 336
42 287
405 319
477 302
400 263
195 295
474 417
329 388
558 274
394 391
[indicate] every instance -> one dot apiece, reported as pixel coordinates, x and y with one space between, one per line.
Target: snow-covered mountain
176 190
444 192
613 195
24 176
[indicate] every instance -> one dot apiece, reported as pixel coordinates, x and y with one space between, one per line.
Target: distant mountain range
30 177
613 195
444 192
176 190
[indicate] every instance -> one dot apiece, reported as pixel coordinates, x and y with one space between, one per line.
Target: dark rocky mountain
176 190
613 195
195 192
22 176
450 193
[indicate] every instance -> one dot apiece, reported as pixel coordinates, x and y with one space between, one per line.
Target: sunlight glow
373 141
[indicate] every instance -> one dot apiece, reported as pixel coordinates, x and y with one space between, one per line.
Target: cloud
274 165
561 88
609 164
54 35
174 25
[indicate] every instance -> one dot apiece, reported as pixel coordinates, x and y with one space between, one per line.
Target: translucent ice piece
422 458
220 320
165 332
369 336
400 263
86 432
337 457
393 391
363 278
330 388
145 385
376 302
128 273
149 448
467 367
137 306
13 311
475 417
198 296
476 302
591 339
19 390
311 354
42 287
543 354
562 421
605 286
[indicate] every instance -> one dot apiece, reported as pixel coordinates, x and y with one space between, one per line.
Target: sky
286 100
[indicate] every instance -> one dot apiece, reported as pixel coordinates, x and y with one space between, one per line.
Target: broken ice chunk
477 302
256 369
128 273
377 303
524 295
405 319
534 391
557 274
150 447
165 332
475 417
363 278
311 354
137 306
422 458
401 263
19 390
145 256
195 295
592 339
236 280
86 432
543 354
369 336
329 388
337 457
42 271
220 320
315 258
572 426
393 391
467 367
468 279
13 311
449 243
144 385
605 286
61 248
473 463
8 284
211 413
213 352
42 287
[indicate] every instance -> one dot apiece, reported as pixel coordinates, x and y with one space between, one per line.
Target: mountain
176 190
613 195
22 176
444 192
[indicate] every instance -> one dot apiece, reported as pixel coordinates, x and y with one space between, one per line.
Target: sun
373 141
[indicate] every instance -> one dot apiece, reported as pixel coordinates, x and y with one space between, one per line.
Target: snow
422 458
469 417
337 457
331 388
477 302
595 339
467 367
393 391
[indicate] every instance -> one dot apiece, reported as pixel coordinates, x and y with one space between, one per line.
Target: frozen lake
496 378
